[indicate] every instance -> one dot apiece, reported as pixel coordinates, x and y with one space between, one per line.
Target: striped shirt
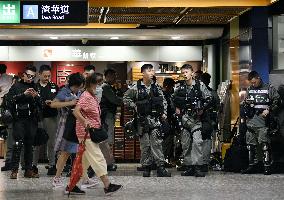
90 109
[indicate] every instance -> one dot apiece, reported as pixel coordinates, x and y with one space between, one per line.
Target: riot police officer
192 99
263 99
146 97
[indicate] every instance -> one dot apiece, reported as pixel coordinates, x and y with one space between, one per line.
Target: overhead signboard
103 53
9 12
54 12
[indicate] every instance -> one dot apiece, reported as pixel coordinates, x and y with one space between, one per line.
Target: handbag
97 135
41 137
70 128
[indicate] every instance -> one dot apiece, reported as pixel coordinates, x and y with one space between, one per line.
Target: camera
84 40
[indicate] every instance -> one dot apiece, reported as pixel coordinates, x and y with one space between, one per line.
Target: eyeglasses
30 76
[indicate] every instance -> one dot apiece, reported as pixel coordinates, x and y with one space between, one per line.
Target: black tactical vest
187 98
149 103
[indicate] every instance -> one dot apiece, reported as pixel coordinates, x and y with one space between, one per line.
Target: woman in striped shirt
87 112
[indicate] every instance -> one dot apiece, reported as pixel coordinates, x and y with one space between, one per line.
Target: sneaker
51 171
112 188
57 182
89 183
75 191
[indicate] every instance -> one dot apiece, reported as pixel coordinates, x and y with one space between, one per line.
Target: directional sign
9 12
54 12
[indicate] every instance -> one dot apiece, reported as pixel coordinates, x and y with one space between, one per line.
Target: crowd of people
64 114
89 99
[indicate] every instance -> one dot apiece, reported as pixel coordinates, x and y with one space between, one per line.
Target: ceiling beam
180 3
89 26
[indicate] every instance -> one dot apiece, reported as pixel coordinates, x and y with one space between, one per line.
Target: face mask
99 92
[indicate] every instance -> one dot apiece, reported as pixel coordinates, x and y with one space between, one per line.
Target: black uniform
48 92
26 111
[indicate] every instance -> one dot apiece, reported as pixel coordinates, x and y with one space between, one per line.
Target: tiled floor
217 185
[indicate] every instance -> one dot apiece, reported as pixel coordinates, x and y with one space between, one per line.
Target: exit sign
54 12
9 12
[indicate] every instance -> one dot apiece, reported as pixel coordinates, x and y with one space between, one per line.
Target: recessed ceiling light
53 37
175 37
114 38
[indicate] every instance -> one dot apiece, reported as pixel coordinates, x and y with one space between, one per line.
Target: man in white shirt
5 82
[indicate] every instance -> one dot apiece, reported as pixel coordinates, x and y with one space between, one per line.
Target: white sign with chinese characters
104 53
54 11
78 53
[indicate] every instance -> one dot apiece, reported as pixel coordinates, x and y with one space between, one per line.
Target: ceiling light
175 37
53 37
114 38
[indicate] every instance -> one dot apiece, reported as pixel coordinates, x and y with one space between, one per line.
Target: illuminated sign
54 12
78 53
9 12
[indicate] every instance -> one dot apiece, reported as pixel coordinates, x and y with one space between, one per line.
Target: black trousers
24 131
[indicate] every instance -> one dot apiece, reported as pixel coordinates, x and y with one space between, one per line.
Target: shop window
278 42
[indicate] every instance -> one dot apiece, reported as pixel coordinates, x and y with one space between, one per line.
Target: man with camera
192 99
147 98
262 100
26 106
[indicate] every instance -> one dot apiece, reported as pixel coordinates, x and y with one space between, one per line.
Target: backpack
237 158
6 111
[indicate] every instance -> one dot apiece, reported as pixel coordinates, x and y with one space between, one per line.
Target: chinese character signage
54 12
63 71
9 12
79 54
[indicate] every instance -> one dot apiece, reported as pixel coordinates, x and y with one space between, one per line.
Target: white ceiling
106 34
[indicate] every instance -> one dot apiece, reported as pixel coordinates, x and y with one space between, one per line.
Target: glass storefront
278 42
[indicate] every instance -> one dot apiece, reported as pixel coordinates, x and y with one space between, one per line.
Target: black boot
267 170
6 167
147 171
182 168
252 168
266 158
204 168
198 171
162 172
189 171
